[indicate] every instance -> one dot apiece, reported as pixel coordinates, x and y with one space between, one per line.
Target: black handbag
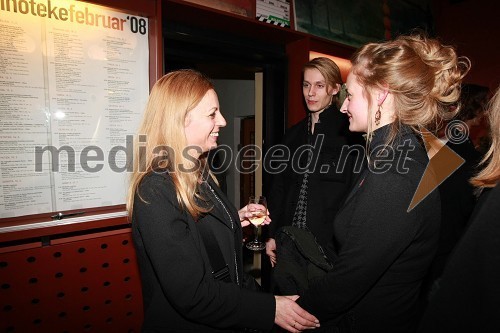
301 260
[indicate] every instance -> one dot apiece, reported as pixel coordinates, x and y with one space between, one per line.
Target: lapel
218 212
378 140
357 185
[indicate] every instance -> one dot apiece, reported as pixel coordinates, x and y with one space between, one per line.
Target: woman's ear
381 95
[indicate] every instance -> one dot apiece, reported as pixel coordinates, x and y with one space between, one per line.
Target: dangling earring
378 115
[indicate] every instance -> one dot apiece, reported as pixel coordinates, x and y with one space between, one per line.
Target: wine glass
257 205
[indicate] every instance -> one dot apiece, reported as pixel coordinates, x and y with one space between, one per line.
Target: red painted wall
473 26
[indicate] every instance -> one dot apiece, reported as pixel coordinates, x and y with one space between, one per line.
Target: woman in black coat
384 235
184 226
467 298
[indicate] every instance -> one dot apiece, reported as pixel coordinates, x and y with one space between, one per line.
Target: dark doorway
224 56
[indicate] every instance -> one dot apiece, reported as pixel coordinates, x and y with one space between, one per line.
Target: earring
377 116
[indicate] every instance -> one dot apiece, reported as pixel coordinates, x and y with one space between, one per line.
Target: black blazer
328 183
382 251
457 203
179 291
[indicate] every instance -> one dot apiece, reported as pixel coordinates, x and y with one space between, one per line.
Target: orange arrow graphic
443 162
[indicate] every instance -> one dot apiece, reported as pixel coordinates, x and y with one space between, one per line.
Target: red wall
473 27
87 283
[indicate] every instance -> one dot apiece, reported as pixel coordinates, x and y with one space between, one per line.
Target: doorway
233 63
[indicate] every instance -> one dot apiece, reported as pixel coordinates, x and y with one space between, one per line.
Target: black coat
382 251
328 182
179 291
457 203
468 297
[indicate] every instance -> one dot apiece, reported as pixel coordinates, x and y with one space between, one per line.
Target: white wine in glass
258 207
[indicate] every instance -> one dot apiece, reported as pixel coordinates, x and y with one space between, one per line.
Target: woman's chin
356 129
212 146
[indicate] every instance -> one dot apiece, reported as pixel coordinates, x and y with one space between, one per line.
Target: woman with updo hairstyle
385 236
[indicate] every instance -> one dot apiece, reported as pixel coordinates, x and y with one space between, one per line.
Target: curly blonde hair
423 75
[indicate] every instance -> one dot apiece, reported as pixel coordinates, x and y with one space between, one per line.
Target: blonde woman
187 234
382 245
467 298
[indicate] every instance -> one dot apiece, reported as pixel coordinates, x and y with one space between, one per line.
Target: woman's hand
246 212
271 250
290 316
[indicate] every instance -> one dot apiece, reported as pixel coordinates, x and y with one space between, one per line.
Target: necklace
232 226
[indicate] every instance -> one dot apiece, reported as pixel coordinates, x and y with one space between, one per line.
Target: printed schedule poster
74 81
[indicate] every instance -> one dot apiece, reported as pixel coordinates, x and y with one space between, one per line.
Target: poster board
275 12
74 80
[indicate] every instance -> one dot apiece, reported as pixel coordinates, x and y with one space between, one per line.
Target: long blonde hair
490 174
161 142
423 75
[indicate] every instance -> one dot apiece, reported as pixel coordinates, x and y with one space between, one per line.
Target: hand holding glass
258 207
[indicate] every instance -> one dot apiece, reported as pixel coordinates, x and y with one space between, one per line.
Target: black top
457 195
179 291
457 203
468 297
382 250
330 176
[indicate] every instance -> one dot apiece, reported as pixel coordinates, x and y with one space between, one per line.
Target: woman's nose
343 107
221 121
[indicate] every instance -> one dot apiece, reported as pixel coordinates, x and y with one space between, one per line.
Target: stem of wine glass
256 240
